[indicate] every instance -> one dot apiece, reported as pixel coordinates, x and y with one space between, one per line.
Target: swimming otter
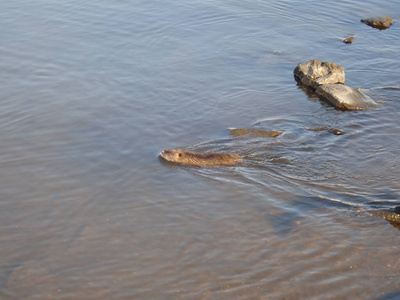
207 159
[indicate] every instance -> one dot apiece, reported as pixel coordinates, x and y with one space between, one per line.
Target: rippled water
92 91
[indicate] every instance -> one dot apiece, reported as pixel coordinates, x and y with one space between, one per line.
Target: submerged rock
253 132
321 128
315 73
336 131
345 97
379 22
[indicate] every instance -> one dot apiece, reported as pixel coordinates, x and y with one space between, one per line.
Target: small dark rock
349 39
379 22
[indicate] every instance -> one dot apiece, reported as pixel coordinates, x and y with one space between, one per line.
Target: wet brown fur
200 159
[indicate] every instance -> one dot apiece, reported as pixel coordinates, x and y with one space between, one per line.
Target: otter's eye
180 154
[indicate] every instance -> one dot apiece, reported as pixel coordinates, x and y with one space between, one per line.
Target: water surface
92 91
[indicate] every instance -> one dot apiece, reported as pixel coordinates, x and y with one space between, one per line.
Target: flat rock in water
253 132
345 97
321 128
315 73
379 22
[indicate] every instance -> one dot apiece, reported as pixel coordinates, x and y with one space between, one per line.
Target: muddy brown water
92 91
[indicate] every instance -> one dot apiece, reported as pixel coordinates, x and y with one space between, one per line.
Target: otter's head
173 155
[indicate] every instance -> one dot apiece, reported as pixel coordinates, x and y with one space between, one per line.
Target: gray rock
345 97
379 22
315 73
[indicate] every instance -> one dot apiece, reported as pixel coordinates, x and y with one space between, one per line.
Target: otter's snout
166 154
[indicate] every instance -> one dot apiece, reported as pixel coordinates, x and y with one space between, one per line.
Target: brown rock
321 128
349 39
253 132
379 22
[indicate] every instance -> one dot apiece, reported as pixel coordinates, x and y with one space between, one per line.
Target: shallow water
92 91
